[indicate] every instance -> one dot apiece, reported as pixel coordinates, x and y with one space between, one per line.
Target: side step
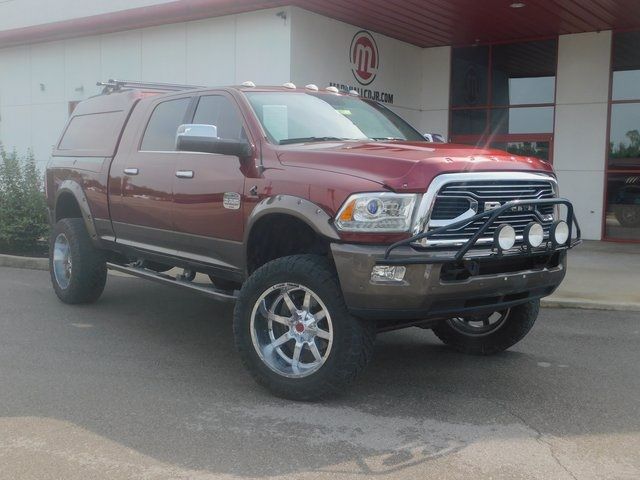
209 291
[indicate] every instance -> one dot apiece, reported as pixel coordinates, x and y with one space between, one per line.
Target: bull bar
491 216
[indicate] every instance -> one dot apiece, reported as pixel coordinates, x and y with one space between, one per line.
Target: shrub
23 210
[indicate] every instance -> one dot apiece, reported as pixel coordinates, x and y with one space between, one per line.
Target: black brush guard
491 215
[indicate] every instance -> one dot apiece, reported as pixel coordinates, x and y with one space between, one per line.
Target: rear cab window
160 134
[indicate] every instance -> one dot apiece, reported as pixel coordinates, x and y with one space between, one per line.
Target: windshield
296 117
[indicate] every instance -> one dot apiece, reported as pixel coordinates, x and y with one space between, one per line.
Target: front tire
489 334
78 269
294 332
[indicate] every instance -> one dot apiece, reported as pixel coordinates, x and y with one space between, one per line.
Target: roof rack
112 86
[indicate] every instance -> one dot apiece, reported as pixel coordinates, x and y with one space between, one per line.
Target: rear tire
628 215
485 340
78 269
297 301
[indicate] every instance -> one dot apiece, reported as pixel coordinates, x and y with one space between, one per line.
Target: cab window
219 111
160 135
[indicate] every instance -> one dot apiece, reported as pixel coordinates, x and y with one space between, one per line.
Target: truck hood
408 166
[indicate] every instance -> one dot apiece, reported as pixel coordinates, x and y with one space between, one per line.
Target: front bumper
444 284
425 294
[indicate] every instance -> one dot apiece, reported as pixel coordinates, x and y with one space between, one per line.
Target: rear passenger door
142 179
209 187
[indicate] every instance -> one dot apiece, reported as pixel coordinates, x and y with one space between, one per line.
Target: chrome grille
460 199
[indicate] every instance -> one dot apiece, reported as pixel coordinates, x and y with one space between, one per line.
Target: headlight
376 212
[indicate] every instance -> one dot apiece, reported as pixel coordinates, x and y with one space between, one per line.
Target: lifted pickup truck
325 217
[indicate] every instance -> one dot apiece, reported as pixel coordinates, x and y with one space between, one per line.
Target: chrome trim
131 171
428 199
184 174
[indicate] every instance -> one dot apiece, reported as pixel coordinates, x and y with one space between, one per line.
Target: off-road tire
89 268
518 323
353 338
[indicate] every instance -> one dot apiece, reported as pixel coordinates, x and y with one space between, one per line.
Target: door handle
184 174
131 171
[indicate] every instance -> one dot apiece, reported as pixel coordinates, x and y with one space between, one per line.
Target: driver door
208 190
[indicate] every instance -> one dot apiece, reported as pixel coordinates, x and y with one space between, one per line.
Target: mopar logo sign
364 57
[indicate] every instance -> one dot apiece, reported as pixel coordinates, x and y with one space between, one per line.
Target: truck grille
457 199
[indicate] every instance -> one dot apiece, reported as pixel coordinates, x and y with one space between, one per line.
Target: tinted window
160 135
93 134
626 66
523 73
470 74
219 111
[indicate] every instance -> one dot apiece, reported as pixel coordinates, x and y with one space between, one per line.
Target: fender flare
72 187
298 207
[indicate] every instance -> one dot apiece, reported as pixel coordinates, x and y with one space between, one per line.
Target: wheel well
279 235
67 207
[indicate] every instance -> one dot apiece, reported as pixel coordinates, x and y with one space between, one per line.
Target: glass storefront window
470 77
468 122
510 87
622 213
524 73
623 206
522 120
624 137
526 149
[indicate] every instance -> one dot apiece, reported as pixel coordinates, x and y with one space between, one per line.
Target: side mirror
434 138
204 139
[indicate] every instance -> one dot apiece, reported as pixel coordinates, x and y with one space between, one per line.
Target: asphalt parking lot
146 384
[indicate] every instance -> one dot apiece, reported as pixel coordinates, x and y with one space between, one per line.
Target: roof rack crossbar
111 86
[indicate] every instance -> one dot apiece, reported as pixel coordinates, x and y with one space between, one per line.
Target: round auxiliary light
533 234
559 232
505 237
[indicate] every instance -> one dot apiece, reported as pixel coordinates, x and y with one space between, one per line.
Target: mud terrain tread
353 352
520 321
89 274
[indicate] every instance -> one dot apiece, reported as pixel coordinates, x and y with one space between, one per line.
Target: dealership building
557 79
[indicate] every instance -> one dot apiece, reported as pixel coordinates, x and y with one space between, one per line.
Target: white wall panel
15 76
82 67
263 46
47 72
15 127
47 121
164 52
585 190
121 55
211 48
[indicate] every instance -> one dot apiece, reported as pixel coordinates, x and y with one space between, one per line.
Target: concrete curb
34 263
584 304
31 263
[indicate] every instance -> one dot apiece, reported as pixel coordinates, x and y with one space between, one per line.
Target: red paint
325 173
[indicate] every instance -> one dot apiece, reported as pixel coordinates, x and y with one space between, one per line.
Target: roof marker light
248 83
332 89
311 86
289 85
354 93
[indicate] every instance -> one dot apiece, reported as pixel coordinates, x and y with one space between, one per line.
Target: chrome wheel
62 264
291 330
479 325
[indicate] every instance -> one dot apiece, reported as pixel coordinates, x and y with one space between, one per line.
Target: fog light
559 232
534 234
388 273
505 237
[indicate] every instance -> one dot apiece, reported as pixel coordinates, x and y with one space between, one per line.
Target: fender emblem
231 200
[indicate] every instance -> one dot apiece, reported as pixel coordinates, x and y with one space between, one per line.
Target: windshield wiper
287 141
377 139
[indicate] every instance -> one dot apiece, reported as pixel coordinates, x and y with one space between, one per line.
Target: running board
209 291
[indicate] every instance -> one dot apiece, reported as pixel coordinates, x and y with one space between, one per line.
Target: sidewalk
601 275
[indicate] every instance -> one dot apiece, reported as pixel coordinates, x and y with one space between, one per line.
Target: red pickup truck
326 218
